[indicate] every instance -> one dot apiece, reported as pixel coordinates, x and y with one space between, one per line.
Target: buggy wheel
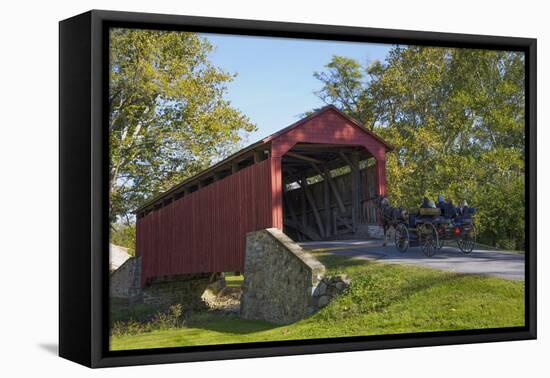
430 240
467 242
401 238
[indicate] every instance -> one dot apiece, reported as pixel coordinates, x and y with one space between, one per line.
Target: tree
124 235
456 117
168 115
345 86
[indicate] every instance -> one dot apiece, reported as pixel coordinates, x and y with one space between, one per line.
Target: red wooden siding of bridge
329 126
205 230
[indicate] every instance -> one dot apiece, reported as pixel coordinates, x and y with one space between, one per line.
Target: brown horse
390 216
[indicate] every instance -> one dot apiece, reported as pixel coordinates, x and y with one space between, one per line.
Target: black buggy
429 228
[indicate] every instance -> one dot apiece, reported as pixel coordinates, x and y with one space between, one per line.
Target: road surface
501 264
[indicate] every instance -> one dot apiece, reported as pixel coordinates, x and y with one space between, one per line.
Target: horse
390 216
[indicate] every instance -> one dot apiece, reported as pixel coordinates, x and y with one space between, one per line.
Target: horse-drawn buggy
429 227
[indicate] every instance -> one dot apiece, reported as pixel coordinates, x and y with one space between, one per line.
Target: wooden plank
290 207
313 206
321 146
326 197
258 156
303 157
326 175
303 207
344 221
352 164
306 231
356 201
287 204
206 231
336 193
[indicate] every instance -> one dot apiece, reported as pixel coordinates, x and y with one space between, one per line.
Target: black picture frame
83 196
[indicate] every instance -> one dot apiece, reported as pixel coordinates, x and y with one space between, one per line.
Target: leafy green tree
456 117
124 235
168 115
345 87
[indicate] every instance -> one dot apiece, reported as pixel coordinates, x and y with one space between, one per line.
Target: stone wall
186 289
125 281
280 278
117 256
328 289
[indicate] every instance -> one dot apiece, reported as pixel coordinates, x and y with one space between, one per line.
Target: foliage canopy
457 119
456 116
169 118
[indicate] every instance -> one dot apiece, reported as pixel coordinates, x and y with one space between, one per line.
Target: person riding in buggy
430 225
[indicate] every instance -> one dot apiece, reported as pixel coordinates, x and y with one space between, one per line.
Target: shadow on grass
393 283
229 324
340 262
417 286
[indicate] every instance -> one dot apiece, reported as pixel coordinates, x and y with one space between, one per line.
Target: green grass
383 299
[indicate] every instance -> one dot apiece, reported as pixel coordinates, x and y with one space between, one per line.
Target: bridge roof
260 146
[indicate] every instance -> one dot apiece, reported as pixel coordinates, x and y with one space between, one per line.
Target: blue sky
275 82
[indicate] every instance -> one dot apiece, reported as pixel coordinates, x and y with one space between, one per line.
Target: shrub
172 318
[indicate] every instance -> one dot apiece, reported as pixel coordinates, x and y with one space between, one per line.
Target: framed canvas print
234 188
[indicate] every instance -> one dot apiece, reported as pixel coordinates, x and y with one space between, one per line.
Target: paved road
481 261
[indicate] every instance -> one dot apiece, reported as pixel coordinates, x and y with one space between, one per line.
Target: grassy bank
383 299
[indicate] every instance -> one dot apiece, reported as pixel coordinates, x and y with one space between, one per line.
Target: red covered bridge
315 179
